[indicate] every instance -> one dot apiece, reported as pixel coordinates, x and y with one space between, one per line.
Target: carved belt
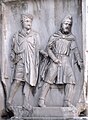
61 55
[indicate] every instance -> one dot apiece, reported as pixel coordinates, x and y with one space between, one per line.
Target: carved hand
12 56
80 63
57 61
44 53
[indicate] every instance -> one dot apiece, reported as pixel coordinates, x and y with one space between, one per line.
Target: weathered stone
47 18
51 118
46 112
1 98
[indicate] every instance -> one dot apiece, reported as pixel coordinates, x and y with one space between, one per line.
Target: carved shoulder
72 37
15 36
36 34
53 38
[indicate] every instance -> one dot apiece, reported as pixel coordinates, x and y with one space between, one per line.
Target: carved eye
27 21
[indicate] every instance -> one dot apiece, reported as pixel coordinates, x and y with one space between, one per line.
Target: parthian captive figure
25 56
61 46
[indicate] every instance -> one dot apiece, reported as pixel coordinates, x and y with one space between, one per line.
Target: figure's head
66 24
26 21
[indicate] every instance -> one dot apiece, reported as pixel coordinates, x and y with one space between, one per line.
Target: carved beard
65 30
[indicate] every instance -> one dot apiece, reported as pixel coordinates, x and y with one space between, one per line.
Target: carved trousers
50 78
68 91
25 91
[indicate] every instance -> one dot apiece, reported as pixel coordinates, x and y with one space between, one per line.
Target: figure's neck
27 31
65 33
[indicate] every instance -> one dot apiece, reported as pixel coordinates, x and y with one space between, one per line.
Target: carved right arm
51 55
50 47
12 54
77 55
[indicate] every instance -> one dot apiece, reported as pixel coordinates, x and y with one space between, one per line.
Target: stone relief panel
26 30
60 46
1 87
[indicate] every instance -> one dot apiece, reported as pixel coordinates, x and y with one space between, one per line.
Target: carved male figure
60 47
25 55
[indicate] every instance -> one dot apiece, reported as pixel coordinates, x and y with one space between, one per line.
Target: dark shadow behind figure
6 113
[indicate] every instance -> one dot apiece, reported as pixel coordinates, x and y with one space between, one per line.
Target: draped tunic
25 48
64 48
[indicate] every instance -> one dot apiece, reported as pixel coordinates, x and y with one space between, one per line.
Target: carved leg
26 95
51 75
8 111
68 95
43 94
14 88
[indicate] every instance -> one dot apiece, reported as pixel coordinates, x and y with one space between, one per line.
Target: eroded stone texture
47 19
1 98
1 88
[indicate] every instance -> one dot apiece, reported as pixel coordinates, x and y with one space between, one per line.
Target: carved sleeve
12 54
76 52
38 41
39 46
51 48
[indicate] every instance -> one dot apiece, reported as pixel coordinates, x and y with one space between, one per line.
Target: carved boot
68 104
41 102
43 94
7 112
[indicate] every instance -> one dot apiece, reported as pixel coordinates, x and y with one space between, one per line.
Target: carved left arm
78 57
44 53
12 54
39 46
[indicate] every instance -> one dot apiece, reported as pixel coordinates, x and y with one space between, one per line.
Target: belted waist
60 55
20 52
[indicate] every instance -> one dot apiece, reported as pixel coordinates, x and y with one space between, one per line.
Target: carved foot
68 104
41 103
7 113
27 107
27 111
4 114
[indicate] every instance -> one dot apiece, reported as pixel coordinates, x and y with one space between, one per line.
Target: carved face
27 23
66 26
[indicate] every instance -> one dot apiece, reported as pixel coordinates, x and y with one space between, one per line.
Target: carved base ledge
47 118
48 112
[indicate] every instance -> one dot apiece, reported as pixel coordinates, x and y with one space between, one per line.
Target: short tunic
61 46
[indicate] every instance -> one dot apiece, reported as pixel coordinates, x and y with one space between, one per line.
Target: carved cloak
26 51
64 48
